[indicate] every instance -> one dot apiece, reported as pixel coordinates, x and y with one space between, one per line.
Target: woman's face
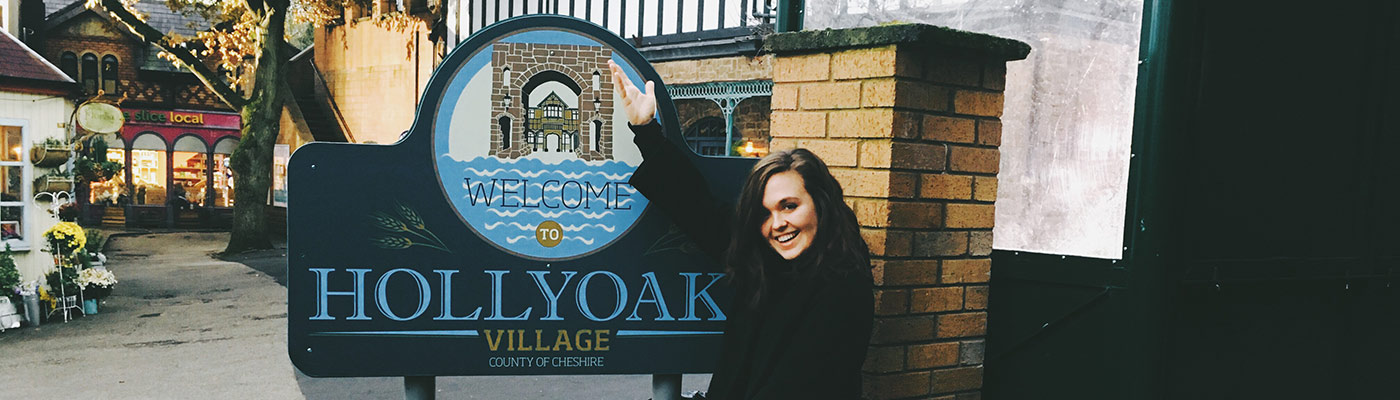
792 217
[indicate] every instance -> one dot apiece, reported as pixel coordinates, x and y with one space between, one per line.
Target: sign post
419 387
666 387
501 236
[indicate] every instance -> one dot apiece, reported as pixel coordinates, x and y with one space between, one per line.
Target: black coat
807 338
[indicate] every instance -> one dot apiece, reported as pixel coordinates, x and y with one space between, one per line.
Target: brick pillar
908 117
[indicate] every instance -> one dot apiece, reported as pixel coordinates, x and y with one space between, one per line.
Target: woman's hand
640 106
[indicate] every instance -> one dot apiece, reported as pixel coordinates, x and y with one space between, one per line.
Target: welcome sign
550 180
501 236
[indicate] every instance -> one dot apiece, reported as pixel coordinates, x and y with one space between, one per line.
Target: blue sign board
501 236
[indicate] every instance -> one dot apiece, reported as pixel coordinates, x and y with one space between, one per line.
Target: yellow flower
69 234
44 295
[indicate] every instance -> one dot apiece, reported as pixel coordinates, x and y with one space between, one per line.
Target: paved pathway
182 324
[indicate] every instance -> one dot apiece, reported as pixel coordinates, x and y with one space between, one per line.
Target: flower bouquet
66 242
96 283
65 238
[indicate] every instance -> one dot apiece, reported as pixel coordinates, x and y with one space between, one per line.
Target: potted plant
9 276
63 287
66 243
92 164
96 284
52 152
53 182
95 242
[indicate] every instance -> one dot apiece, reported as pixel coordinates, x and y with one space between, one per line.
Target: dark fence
627 18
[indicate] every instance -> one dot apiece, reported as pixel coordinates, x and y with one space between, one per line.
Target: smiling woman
792 220
792 247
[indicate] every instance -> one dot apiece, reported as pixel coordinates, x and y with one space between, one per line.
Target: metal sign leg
666 387
419 387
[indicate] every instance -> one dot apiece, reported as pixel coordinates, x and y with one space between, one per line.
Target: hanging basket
49 155
53 184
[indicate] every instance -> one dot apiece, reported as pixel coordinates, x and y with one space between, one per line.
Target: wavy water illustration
566 228
587 241
579 239
589 215
592 204
576 228
517 225
549 214
536 174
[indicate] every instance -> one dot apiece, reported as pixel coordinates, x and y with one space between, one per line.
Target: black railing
626 18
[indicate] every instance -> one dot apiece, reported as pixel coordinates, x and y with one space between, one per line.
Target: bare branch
208 76
255 5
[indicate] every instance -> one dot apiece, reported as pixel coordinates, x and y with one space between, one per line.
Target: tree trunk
252 160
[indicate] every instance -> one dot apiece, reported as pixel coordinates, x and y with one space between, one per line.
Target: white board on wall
1067 126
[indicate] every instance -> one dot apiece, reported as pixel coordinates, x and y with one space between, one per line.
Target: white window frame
25 230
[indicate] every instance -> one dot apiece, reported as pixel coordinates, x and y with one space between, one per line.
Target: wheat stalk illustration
392 242
410 216
411 223
387 222
416 222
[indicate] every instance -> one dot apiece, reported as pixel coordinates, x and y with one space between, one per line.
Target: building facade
551 100
175 146
34 109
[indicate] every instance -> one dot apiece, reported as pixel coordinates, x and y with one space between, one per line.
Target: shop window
190 184
12 183
89 72
109 74
69 64
148 176
222 183
189 167
112 191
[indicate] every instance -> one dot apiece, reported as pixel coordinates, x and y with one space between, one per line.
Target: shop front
175 170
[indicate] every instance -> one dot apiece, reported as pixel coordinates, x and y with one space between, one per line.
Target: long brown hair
836 251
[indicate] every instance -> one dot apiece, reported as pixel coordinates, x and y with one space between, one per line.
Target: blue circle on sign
532 146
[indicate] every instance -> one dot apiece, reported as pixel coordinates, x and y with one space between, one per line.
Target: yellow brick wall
737 68
912 136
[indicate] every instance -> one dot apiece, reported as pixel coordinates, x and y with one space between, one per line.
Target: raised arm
667 177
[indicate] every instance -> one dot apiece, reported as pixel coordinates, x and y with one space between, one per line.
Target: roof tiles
158 15
18 61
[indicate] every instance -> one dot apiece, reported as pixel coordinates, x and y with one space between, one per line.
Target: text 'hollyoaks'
598 295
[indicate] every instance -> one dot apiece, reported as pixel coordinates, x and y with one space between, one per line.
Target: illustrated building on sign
551 99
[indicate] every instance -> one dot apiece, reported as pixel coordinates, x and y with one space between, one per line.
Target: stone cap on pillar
922 35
